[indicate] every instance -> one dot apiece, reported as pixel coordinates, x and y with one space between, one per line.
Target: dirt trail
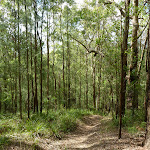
94 133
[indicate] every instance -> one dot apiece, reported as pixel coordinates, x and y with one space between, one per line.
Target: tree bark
133 68
87 81
16 95
124 48
94 78
80 83
35 59
19 62
147 136
48 74
68 59
31 63
28 84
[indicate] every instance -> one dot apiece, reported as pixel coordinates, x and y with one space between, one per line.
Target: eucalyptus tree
19 60
68 58
41 65
134 59
48 66
63 58
35 58
27 48
147 137
54 51
124 48
31 65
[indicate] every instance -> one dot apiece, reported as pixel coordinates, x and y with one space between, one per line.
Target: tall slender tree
147 104
87 89
28 84
35 58
124 48
19 62
15 48
48 74
68 59
134 59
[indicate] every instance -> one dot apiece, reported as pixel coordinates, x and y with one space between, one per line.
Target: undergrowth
132 123
53 124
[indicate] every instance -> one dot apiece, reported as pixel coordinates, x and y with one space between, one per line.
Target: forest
75 74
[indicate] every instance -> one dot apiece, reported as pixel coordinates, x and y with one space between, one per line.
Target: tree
19 63
124 47
134 59
28 86
47 40
35 59
147 137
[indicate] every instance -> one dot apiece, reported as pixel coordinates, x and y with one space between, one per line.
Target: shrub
3 141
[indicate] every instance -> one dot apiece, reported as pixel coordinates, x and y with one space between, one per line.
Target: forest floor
94 132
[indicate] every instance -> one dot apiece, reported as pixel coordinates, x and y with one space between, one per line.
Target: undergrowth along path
94 132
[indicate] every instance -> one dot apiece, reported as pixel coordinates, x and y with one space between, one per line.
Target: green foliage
133 123
3 141
132 130
66 120
53 123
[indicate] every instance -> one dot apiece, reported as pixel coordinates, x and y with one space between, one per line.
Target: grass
133 124
57 123
3 141
53 124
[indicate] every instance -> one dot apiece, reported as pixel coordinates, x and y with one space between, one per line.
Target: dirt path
94 133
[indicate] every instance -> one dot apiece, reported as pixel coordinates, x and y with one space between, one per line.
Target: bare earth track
93 133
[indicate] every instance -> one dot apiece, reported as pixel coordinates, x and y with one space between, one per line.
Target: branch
139 34
142 56
117 5
91 40
79 42
89 51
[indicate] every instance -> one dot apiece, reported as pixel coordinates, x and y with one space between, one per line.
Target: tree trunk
54 69
28 84
68 63
41 65
147 137
12 93
41 79
16 95
87 81
133 68
19 62
94 87
124 64
117 91
31 63
54 76
80 83
48 62
63 65
99 81
35 60
59 89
